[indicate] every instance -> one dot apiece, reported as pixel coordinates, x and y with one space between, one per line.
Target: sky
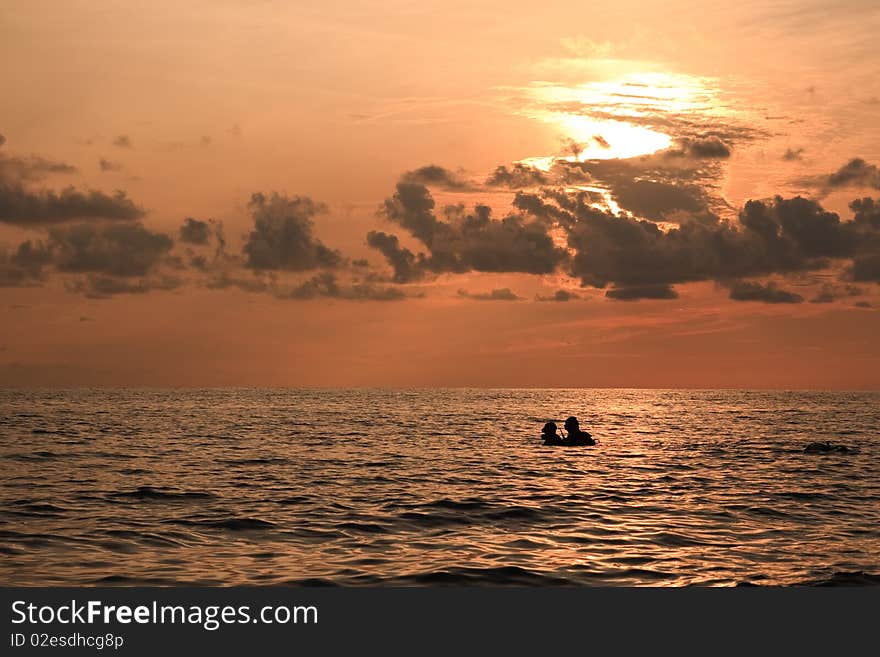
505 194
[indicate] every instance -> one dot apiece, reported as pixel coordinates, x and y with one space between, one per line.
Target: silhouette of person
548 433
575 435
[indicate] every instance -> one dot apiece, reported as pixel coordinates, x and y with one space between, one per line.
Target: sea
433 487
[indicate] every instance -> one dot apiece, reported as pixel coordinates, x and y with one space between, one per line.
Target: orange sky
675 113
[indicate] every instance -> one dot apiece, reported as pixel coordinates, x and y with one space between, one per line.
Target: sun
619 118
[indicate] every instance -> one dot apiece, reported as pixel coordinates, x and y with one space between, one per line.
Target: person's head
572 424
549 429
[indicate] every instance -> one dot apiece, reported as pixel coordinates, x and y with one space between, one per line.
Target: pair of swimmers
575 435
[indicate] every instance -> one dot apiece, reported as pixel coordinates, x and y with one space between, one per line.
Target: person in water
548 433
575 435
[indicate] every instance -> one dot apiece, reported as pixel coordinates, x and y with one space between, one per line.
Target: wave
846 578
150 493
231 524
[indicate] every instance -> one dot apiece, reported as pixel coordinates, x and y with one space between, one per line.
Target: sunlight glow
617 118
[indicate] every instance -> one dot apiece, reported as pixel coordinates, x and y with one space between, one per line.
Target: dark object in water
575 438
827 447
569 442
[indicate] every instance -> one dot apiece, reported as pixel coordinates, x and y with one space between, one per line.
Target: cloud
463 241
866 268
195 231
636 292
120 250
224 279
433 175
652 186
776 236
704 147
15 169
2 140
108 165
559 296
792 154
855 173
282 236
640 258
830 293
498 294
769 293
99 286
655 200
518 176
325 284
22 207
110 254
24 267
405 264
122 141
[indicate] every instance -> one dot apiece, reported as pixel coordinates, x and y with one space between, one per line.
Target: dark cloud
118 250
652 186
702 147
655 200
406 266
855 173
225 279
866 212
560 296
866 268
518 176
792 231
498 294
24 267
637 292
111 256
2 140
199 261
122 141
99 286
22 207
282 236
601 141
638 257
826 295
862 304
792 154
463 241
572 147
777 236
433 175
109 165
195 231
769 293
830 293
15 169
666 182
325 284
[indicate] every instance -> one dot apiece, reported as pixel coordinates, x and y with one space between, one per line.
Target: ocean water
435 487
